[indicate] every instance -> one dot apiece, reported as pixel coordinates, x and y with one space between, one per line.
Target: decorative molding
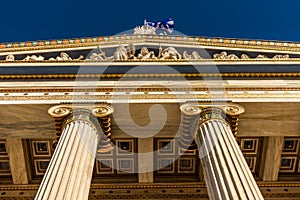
185 168
141 89
117 39
151 191
133 76
263 95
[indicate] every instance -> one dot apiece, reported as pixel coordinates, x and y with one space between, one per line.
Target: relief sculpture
129 52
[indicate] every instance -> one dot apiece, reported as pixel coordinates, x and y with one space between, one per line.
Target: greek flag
167 24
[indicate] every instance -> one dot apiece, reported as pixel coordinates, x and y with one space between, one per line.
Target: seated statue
120 53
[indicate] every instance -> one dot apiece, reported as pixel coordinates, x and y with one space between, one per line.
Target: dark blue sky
24 20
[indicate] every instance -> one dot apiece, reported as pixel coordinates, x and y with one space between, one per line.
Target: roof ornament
164 27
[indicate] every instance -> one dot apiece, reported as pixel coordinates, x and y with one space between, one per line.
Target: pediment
150 48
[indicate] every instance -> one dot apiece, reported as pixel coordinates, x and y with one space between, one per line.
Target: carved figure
99 56
169 53
34 58
131 51
145 54
281 56
196 55
232 57
186 56
65 57
260 56
222 55
144 30
96 57
120 53
10 57
245 56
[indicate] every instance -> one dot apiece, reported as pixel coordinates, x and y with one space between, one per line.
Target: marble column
70 170
226 172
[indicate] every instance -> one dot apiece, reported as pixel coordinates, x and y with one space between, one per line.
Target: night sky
25 20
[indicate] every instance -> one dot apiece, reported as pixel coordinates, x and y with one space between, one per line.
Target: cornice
251 61
185 75
141 89
118 39
284 96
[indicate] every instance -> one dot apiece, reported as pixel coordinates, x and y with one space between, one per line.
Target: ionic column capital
227 112
231 109
98 116
63 110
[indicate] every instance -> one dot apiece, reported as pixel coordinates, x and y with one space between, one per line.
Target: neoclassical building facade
150 117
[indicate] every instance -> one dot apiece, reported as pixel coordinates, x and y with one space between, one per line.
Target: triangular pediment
150 48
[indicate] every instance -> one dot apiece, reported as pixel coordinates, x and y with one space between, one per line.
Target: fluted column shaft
69 172
225 169
226 172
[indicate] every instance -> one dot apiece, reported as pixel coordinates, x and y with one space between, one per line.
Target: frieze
158 88
134 76
129 53
167 97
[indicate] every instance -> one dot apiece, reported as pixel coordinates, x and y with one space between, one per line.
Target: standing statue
131 51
